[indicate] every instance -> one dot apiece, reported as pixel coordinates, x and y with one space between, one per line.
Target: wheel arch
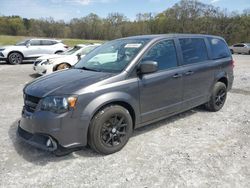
113 98
15 51
56 66
58 51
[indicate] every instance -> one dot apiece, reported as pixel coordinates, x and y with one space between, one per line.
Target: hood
64 82
1 47
44 57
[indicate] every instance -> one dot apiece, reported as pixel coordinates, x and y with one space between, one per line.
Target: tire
218 98
110 129
232 52
15 58
62 66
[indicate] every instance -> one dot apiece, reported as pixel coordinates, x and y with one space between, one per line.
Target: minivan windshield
112 56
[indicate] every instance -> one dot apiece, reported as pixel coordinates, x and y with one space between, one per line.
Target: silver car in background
241 48
30 50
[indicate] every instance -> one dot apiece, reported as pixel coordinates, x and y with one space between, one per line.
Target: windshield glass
23 43
112 56
71 51
88 49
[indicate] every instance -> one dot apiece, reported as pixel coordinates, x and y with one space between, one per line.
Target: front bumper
61 129
41 141
43 69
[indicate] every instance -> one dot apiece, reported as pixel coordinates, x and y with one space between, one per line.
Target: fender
14 51
217 77
106 99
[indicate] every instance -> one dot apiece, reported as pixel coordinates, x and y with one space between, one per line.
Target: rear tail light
233 63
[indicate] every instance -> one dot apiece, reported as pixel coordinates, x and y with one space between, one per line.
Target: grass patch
10 40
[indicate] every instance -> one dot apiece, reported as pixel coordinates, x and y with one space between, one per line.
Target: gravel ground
194 149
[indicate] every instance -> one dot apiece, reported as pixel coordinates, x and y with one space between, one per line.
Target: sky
68 9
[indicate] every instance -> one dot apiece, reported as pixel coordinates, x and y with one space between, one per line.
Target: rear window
48 42
219 48
193 50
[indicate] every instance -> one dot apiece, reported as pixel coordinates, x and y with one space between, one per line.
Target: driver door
161 92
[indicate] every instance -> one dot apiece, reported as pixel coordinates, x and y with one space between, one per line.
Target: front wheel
110 129
218 97
15 58
63 66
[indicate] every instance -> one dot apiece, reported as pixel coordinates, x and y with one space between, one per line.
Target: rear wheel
218 97
15 58
63 66
110 129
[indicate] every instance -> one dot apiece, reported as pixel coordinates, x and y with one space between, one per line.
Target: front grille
30 103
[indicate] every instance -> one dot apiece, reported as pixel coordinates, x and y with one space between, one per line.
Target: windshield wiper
89 69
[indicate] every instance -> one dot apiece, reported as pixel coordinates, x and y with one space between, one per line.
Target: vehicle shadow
23 63
167 121
34 75
41 158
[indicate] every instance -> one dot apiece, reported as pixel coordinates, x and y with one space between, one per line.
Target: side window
193 50
35 42
47 42
239 45
219 48
164 53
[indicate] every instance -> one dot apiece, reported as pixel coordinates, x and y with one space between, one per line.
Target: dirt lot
196 148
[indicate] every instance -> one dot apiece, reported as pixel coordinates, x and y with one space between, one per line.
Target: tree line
186 16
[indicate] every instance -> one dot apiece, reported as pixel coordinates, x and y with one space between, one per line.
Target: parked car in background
30 50
50 63
241 48
150 78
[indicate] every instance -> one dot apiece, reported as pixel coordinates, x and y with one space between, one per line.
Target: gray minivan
122 85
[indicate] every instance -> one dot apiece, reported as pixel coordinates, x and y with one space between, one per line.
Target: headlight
2 49
47 62
58 104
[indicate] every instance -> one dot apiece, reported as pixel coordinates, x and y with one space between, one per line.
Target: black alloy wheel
110 129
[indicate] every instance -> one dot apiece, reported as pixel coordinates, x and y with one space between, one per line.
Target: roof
150 37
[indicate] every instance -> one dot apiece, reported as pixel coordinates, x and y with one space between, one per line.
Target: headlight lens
2 49
48 62
58 104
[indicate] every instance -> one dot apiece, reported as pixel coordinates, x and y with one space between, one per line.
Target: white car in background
30 50
51 63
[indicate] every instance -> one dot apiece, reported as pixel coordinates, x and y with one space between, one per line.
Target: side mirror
78 56
28 45
148 67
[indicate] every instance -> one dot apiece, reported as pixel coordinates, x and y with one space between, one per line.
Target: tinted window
35 42
193 50
219 48
164 53
48 42
239 45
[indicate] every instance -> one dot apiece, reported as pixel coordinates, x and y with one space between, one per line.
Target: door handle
177 76
189 73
